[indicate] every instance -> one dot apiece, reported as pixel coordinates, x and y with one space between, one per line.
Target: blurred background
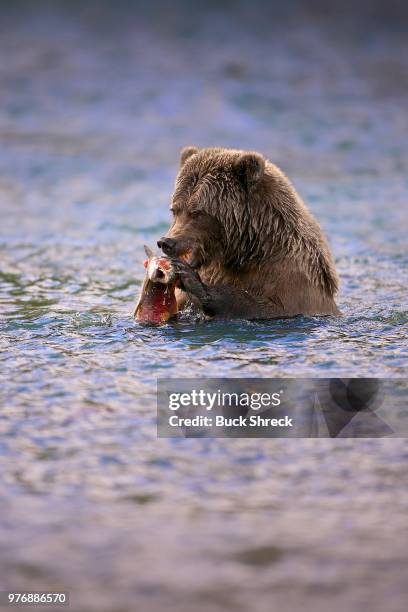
97 98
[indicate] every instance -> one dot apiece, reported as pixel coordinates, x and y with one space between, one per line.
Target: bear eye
196 213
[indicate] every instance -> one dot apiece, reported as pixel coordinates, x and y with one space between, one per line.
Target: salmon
157 301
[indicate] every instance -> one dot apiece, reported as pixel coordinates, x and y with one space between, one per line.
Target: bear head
211 207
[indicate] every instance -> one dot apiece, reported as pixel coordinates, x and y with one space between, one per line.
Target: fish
157 301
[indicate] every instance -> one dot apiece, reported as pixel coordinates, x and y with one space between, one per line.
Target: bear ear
187 152
250 167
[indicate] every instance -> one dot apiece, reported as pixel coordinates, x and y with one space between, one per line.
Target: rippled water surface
96 103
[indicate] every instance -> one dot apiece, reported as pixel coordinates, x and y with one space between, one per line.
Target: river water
97 100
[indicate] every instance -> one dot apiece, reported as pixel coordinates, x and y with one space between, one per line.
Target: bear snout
166 245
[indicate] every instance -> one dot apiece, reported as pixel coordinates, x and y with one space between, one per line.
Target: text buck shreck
221 421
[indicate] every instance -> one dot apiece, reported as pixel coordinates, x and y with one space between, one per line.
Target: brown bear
244 243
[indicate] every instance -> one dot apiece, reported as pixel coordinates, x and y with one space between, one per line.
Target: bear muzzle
178 249
167 245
